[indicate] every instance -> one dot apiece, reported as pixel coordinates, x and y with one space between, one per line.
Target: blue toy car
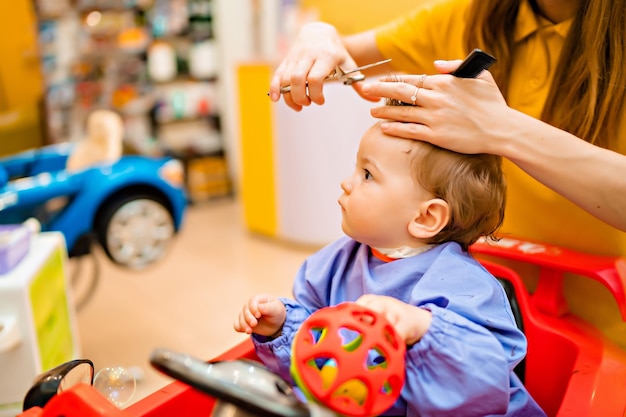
133 207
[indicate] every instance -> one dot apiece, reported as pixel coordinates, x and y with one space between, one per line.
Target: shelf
96 69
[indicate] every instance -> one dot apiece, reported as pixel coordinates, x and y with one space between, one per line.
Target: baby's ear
432 216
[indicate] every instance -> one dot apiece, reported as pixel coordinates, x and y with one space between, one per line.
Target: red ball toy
349 359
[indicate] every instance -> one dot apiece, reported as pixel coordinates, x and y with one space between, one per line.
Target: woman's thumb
446 67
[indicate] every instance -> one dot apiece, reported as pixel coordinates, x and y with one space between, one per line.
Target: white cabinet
37 319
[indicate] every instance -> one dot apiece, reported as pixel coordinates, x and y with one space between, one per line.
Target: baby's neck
403 251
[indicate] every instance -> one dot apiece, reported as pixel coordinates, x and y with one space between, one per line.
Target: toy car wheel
135 230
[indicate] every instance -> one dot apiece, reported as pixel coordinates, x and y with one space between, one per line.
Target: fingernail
274 97
440 62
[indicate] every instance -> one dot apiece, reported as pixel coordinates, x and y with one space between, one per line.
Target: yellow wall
21 82
351 16
20 76
257 159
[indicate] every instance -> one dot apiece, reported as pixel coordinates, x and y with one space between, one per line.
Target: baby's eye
367 175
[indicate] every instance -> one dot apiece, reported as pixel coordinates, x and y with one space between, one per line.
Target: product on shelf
155 62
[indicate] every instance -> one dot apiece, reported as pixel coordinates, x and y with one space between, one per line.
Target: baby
410 212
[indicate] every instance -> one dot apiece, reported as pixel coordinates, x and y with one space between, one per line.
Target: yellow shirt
534 212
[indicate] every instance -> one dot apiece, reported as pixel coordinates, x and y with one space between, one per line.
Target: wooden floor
188 301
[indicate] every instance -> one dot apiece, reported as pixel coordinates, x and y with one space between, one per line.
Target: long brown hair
587 96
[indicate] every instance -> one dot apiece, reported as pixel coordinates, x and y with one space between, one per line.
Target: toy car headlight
173 173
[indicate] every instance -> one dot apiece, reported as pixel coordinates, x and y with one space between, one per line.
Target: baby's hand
410 322
263 314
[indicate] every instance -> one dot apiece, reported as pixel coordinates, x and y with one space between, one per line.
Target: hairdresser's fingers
446 67
316 78
408 104
406 114
295 76
298 83
487 76
409 122
406 92
414 79
289 102
358 87
409 131
276 82
281 80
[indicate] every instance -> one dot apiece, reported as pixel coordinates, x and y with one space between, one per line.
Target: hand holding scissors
346 77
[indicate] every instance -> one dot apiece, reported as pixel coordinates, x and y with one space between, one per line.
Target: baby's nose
346 185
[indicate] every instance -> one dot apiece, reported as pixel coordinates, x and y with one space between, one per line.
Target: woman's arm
471 116
594 178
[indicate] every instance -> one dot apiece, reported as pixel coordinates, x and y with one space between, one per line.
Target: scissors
347 77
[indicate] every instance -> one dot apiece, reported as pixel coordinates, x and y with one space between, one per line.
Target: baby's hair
473 185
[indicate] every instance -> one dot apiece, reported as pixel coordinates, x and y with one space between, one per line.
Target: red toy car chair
571 369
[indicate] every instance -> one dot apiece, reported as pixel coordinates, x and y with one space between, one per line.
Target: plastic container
14 245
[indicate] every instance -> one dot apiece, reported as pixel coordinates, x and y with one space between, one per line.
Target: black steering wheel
244 383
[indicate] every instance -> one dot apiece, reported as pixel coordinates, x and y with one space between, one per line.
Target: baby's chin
346 231
362 240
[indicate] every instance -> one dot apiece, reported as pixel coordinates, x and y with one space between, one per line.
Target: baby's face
381 197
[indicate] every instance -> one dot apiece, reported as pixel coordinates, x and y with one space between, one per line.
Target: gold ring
420 82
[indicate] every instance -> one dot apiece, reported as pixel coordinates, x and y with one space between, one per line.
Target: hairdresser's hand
410 322
316 52
464 115
262 314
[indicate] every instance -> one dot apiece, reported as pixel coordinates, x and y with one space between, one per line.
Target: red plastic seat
571 368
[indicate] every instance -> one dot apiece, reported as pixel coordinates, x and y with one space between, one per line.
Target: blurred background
169 67
189 79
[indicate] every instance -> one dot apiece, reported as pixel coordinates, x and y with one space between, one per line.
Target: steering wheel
245 384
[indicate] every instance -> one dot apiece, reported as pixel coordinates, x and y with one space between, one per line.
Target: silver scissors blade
340 74
364 67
